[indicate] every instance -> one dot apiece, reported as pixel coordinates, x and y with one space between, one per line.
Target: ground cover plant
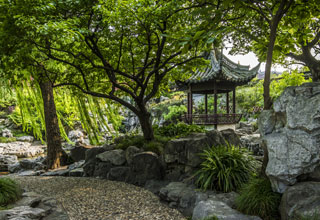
9 192
225 168
177 130
257 198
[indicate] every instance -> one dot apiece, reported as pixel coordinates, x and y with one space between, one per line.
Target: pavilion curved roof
222 68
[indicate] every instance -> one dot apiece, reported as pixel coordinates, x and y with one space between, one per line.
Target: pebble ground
96 199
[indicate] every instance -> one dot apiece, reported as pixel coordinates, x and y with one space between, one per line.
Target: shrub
156 145
257 198
9 191
225 168
177 130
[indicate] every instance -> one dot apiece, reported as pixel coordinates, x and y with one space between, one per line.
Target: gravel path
96 199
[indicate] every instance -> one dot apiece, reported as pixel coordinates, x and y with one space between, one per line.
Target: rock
21 149
23 213
6 133
25 139
301 200
6 161
253 143
119 174
79 152
76 165
14 168
227 198
155 186
212 207
115 157
77 172
101 169
35 164
65 159
130 152
109 147
179 196
181 155
291 134
145 166
91 160
28 173
76 136
60 172
231 137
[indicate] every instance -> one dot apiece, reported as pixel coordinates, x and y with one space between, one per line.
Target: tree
17 64
299 36
120 50
257 31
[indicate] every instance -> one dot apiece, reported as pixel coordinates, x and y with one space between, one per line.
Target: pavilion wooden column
227 100
215 106
206 103
190 106
234 101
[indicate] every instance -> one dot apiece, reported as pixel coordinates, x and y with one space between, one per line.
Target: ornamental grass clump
225 168
9 191
257 198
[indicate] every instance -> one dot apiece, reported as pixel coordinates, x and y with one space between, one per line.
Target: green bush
257 198
156 145
225 168
9 191
177 130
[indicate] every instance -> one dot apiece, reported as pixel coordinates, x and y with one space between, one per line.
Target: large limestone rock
301 200
91 160
79 152
182 155
115 157
291 132
219 209
21 149
6 161
145 166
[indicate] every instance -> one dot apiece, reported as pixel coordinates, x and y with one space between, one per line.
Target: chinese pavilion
220 76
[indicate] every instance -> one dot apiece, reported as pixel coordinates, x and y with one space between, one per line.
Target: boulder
91 160
101 169
25 139
6 133
219 209
119 174
6 161
253 143
301 200
79 152
231 137
145 166
115 157
181 155
30 164
76 136
23 212
291 133
130 152
180 196
76 172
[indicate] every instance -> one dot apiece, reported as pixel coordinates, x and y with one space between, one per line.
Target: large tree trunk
145 122
54 149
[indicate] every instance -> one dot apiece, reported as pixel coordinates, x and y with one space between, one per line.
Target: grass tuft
10 192
257 198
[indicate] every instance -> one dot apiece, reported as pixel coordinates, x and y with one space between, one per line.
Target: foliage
257 198
175 113
7 139
225 168
156 145
250 98
177 130
9 191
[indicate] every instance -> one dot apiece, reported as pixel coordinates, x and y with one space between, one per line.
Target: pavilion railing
211 119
